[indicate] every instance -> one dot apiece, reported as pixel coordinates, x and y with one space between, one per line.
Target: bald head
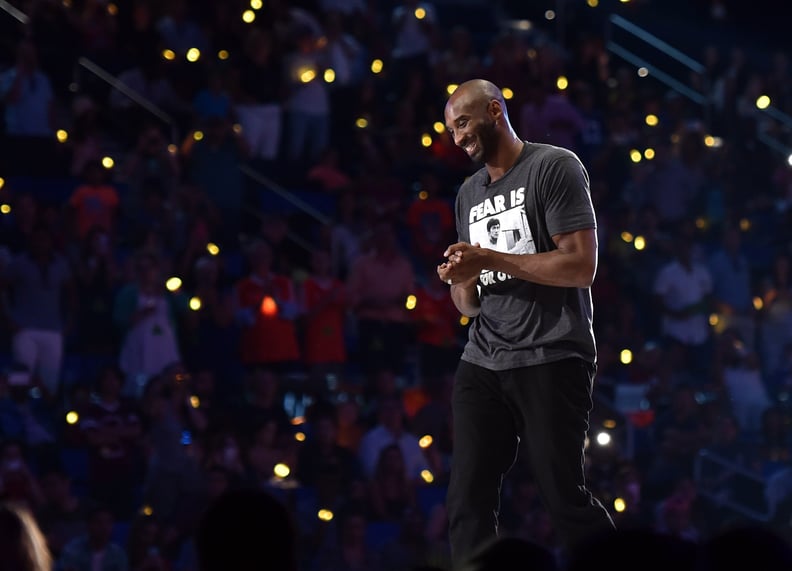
477 92
477 119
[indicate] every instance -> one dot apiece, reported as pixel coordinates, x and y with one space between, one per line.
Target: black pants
541 411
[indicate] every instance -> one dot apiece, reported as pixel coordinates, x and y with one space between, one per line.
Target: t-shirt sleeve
567 198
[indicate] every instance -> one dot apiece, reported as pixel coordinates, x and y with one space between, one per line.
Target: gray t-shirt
521 323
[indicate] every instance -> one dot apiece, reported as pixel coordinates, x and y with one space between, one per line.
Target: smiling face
471 118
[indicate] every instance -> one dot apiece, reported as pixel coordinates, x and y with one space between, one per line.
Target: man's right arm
466 299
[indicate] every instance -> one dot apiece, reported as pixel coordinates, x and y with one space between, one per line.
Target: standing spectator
62 515
146 315
27 96
41 305
307 101
390 429
179 31
148 164
259 95
378 286
325 313
732 288
437 334
683 288
414 28
95 549
548 117
392 494
268 307
94 202
349 549
112 429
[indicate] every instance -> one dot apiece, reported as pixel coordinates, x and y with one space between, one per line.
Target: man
525 378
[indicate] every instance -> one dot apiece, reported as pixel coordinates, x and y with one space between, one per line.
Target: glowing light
639 243
758 303
299 436
222 54
173 283
709 141
642 72
193 54
592 3
609 423
146 510
714 319
281 470
307 75
173 149
701 223
562 83
603 438
627 237
72 417
619 505
635 156
507 93
762 102
789 160
649 154
195 402
268 306
426 140
61 135
248 16
195 303
464 320
213 249
325 515
198 135
652 120
427 476
438 127
626 356
108 162
376 66
5 209
549 14
451 87
423 195
420 13
425 441
256 4
361 123
112 9
237 128
329 75
298 420
411 302
2 182
745 224
169 55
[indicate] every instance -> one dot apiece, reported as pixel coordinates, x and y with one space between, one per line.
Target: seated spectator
246 530
82 553
261 403
22 544
348 548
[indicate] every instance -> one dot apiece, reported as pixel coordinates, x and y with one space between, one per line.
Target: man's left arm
572 264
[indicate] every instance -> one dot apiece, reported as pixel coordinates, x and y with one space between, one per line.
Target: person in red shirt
324 304
430 219
437 328
94 202
267 309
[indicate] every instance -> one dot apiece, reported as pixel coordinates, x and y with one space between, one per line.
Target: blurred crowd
220 223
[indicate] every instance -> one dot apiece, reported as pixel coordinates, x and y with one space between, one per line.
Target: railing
721 481
684 62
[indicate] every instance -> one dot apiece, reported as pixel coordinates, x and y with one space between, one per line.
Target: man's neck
508 152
